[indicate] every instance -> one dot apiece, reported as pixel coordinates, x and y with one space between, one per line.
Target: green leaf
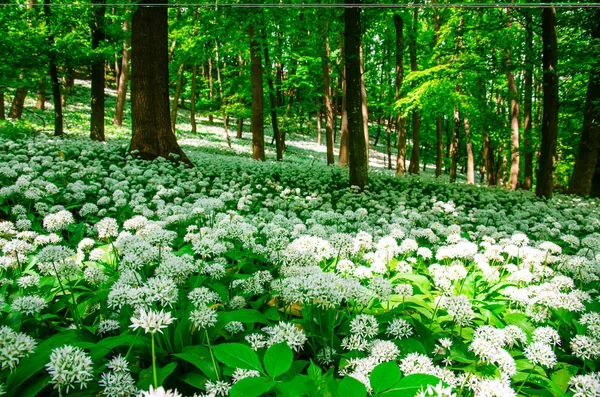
199 356
163 373
410 385
251 387
278 359
384 376
314 371
350 387
243 316
411 345
562 376
237 355
194 379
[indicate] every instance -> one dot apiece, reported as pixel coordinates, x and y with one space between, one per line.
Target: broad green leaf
384 376
411 385
410 345
278 359
350 387
194 379
199 356
251 387
237 355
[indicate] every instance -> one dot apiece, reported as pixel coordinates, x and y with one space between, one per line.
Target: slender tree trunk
364 109
344 150
319 135
388 133
589 143
98 76
470 158
240 120
454 145
152 135
326 67
439 158
222 95
273 102
210 90
18 103
257 122
2 109
124 76
488 156
176 95
399 26
58 114
413 168
354 102
527 106
514 119
545 177
193 99
40 104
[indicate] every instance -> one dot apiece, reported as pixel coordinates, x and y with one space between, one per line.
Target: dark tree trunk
98 76
273 102
527 107
587 156
222 96
454 146
193 99
439 157
545 176
488 158
344 150
58 114
413 168
257 122
40 104
18 103
176 95
399 26
240 120
326 67
514 119
319 115
123 76
364 109
152 136
2 109
354 102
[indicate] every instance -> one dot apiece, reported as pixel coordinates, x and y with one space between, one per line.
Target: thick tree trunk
98 76
514 119
527 107
545 177
399 26
193 99
470 158
257 122
413 168
454 145
152 135
273 102
58 114
124 76
344 150
18 103
589 143
40 104
326 67
354 103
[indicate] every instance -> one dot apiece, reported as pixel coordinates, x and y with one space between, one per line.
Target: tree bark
240 120
439 158
344 151
356 133
2 109
152 135
364 108
514 119
222 96
273 102
470 157
545 177
123 76
193 99
399 26
527 107
176 95
257 122
454 145
40 104
18 103
413 168
98 76
58 114
589 143
488 158
326 67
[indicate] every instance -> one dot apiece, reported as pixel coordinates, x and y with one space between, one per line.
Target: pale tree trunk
58 114
364 109
399 26
514 119
257 121
273 102
193 99
319 135
210 89
545 177
176 97
240 120
439 158
354 101
18 103
40 104
222 95
124 76
98 76
329 116
470 158
388 133
454 145
343 156
527 105
413 168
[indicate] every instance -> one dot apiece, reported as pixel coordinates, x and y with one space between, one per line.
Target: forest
299 198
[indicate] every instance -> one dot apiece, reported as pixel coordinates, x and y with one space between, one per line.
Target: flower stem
154 362
525 381
212 356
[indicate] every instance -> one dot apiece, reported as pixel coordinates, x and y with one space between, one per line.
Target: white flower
540 353
399 328
13 347
151 321
69 366
107 228
160 392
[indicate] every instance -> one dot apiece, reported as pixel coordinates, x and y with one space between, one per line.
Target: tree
58 113
413 168
587 157
97 118
399 29
258 118
152 136
124 75
356 138
325 65
546 163
514 118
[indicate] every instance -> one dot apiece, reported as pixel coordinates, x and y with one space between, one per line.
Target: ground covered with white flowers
122 278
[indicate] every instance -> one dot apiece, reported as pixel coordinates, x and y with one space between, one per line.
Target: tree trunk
545 177
193 99
319 135
413 168
587 156
40 104
454 145
257 122
514 119
2 109
364 109
326 67
18 103
439 158
58 114
388 133
399 26
344 150
152 135
98 76
470 158
488 158
354 101
240 120
527 107
210 90
124 76
222 96
176 95
273 102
